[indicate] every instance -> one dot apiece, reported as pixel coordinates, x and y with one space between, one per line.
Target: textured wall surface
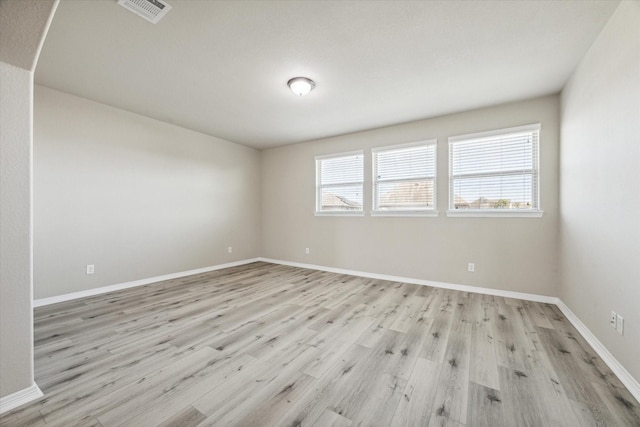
23 25
16 337
600 186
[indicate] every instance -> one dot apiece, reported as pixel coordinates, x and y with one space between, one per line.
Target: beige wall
600 186
23 25
516 254
136 197
16 337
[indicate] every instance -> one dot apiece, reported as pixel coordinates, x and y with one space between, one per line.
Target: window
339 184
495 173
404 179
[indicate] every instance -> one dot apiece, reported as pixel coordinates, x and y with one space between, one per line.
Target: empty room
319 213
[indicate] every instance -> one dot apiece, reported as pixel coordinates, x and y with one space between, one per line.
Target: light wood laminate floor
271 345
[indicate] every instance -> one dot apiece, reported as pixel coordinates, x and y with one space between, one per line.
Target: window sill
405 213
340 213
468 213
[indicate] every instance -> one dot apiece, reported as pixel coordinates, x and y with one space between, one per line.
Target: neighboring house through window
339 184
495 173
404 179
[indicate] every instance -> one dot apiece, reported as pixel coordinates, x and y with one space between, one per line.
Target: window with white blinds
495 171
404 178
339 183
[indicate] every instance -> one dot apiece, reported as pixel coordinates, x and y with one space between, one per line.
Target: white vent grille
151 10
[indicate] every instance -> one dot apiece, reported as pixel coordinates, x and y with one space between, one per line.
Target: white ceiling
221 67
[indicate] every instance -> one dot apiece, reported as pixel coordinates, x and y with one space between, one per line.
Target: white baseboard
103 290
623 375
19 398
453 286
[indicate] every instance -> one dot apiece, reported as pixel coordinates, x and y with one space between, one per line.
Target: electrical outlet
229 249
90 269
471 268
620 325
613 319
306 251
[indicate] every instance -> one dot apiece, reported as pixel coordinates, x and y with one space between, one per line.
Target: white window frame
428 212
320 186
534 211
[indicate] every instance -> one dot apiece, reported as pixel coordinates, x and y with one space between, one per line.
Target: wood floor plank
269 374
335 342
352 293
521 408
331 419
273 407
373 391
241 399
585 356
511 345
164 408
439 330
485 407
273 335
537 314
188 417
237 337
308 408
575 375
483 368
438 419
121 367
416 405
148 388
409 313
274 345
551 395
622 406
590 415
453 383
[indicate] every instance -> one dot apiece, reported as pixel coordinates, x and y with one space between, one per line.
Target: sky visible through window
499 170
342 177
494 172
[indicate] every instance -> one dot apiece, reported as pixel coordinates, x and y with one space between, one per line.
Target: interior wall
133 196
16 370
600 186
23 25
515 254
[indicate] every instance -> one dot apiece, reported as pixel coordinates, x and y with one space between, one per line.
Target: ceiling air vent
151 10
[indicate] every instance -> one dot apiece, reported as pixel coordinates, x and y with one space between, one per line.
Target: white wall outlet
230 249
471 268
90 269
613 319
306 251
620 325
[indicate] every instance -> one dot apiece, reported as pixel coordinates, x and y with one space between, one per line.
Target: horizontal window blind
404 177
495 170
339 183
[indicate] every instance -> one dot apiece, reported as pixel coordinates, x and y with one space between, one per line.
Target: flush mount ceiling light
301 85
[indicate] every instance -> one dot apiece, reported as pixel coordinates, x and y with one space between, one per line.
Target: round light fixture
301 85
